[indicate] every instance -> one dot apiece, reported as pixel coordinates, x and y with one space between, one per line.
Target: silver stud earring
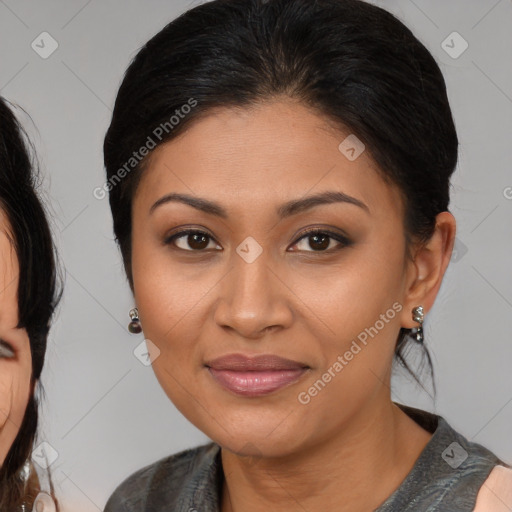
134 326
417 316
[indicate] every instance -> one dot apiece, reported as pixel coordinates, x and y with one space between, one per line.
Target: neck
374 453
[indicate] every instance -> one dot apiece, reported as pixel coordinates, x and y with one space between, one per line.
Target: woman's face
15 356
255 283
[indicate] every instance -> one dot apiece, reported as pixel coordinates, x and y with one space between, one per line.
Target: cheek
14 395
349 297
357 359
171 300
361 303
170 296
170 303
6 392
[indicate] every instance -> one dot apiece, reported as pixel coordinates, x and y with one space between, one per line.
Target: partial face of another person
15 355
254 281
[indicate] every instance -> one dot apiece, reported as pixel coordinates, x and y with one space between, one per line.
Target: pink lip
257 375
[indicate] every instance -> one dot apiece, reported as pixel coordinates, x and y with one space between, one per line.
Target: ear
425 273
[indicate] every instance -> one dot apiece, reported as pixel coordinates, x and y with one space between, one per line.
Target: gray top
446 477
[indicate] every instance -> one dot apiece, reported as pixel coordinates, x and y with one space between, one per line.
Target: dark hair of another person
38 289
354 63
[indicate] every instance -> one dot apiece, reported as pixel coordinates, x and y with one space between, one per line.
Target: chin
253 436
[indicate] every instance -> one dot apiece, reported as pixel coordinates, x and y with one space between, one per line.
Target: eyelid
342 239
6 351
170 239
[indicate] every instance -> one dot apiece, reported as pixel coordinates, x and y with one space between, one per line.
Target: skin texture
292 301
15 371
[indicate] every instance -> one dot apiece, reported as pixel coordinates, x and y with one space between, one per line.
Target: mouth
255 375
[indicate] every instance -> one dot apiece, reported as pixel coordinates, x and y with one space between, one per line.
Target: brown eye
191 240
321 241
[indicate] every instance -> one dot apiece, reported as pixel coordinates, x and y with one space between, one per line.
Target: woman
28 297
279 183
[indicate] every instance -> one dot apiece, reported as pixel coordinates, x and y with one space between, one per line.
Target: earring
417 316
134 326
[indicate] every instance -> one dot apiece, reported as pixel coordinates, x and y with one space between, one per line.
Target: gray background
105 413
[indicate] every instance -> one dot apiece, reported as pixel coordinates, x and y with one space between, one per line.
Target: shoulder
495 495
165 477
466 466
448 475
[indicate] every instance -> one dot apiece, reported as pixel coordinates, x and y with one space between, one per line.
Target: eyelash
344 241
6 351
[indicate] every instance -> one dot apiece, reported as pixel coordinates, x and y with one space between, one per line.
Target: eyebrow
285 210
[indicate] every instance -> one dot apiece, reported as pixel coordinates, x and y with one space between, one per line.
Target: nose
253 299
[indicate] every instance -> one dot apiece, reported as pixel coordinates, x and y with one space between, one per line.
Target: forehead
262 155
